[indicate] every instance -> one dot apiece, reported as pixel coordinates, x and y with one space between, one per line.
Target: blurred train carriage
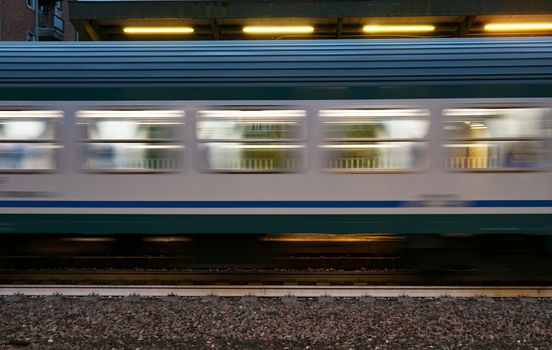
380 136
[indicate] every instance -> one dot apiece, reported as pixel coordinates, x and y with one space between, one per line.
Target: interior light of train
477 126
255 146
158 30
359 146
50 146
473 112
463 145
506 27
397 28
150 146
373 113
159 123
253 122
250 122
278 29
252 114
31 114
140 114
367 122
352 121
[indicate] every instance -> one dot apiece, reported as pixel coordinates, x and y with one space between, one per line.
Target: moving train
448 136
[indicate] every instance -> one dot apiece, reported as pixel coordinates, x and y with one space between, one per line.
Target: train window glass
131 140
251 140
497 138
250 125
374 124
28 140
365 140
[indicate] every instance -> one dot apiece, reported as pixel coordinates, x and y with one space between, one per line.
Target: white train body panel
432 184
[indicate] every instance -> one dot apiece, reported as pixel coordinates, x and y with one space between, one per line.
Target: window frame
325 141
56 141
178 140
467 140
301 142
31 4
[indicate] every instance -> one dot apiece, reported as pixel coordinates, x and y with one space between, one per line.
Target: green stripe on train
339 92
271 224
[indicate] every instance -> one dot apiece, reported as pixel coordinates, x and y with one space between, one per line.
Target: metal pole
36 20
1 12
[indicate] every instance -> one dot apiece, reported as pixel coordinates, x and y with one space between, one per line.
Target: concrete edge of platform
276 291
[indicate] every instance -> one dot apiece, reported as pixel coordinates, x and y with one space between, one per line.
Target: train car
448 136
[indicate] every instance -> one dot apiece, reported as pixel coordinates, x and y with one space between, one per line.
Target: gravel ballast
270 323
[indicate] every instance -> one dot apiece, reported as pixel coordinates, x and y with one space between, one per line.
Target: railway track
269 277
185 262
57 291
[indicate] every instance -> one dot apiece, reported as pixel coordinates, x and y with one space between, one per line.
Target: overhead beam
465 26
209 9
215 29
90 31
339 32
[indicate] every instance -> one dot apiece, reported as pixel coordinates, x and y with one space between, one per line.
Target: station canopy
306 19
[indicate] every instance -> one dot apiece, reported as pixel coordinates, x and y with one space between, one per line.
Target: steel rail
205 276
93 291
268 277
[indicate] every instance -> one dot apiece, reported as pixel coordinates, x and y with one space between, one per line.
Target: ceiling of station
215 19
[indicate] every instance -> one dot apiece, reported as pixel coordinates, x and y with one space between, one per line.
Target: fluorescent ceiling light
278 29
374 113
518 26
397 28
254 146
362 146
149 146
252 114
145 114
325 237
464 145
158 30
464 112
30 114
88 239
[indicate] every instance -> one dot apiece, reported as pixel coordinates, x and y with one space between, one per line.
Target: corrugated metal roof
277 63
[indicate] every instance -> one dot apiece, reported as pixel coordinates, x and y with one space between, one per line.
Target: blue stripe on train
274 204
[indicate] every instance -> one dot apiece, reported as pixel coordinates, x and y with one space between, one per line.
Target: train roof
297 63
278 62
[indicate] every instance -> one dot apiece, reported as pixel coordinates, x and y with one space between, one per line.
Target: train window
365 140
28 140
251 140
131 140
497 138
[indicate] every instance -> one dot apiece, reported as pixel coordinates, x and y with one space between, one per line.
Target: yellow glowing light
88 239
397 28
518 26
158 30
167 239
278 29
329 237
